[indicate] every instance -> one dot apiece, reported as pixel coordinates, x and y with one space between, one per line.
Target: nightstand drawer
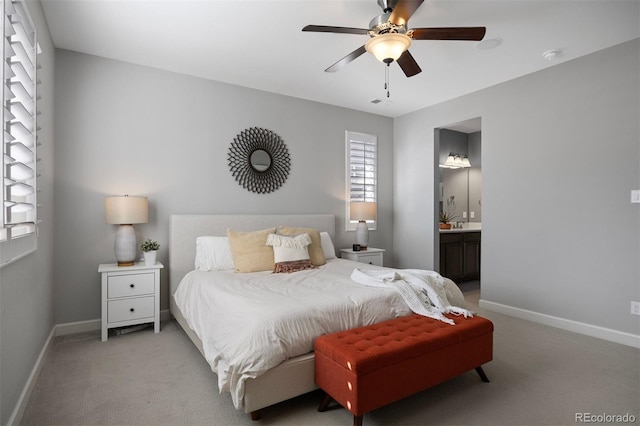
130 309
371 259
130 285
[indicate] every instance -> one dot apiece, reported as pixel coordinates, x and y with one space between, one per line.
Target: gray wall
26 286
475 176
127 129
559 235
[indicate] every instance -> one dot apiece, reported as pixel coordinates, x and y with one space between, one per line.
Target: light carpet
539 376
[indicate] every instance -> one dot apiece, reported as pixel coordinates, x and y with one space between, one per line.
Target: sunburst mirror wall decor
259 160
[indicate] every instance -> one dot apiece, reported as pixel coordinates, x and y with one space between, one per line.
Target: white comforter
251 322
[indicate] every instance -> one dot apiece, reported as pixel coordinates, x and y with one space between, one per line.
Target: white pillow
213 254
327 246
289 249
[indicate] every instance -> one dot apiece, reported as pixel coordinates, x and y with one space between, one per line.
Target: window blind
18 216
362 173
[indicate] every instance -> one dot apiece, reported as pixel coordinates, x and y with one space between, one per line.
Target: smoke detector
550 55
488 43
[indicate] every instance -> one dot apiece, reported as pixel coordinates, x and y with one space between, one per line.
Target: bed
291 375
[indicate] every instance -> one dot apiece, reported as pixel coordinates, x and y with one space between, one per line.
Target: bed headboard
184 229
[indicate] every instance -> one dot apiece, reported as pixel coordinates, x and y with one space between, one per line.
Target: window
362 173
18 215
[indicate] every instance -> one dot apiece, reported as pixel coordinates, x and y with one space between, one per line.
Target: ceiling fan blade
340 30
344 61
449 33
408 64
403 10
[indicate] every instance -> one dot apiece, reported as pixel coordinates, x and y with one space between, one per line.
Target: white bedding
251 322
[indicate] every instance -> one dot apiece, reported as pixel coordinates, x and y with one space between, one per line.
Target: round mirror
260 160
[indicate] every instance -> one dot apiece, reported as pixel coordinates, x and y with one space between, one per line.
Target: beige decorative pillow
315 248
249 250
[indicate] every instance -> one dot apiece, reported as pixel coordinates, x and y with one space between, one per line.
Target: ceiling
259 44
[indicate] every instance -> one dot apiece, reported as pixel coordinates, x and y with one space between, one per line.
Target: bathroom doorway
459 204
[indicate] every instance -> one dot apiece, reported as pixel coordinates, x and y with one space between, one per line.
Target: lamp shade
450 163
388 47
128 210
361 211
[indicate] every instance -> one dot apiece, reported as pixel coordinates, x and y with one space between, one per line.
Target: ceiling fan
390 37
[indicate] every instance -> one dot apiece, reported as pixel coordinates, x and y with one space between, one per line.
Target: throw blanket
423 291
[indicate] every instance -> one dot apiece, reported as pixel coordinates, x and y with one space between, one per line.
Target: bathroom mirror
461 189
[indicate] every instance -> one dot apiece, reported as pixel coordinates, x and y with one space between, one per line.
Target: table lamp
126 211
362 212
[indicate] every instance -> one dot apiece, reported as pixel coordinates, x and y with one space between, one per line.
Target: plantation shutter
362 173
18 216
362 176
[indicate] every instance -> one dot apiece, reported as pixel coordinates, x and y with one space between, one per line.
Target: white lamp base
126 245
362 235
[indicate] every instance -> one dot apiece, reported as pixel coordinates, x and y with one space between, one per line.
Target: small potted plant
445 218
149 249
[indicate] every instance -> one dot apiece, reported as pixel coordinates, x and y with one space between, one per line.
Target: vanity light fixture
456 161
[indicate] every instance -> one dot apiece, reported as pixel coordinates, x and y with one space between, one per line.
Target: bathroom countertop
467 227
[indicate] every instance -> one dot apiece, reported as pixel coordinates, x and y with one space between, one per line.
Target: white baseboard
93 325
77 327
565 324
23 400
57 330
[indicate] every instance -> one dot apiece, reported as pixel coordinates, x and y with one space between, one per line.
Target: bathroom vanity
460 253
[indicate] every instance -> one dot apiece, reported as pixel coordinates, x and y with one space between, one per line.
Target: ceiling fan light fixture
388 47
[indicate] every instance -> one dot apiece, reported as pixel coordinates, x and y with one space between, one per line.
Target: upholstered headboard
184 229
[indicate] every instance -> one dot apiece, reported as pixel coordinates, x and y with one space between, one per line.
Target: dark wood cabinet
460 255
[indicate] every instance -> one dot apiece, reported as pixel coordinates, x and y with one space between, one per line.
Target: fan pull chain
386 79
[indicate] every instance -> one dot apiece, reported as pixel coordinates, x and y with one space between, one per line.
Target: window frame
350 165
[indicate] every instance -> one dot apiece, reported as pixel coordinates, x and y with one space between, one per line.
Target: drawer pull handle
131 310
131 285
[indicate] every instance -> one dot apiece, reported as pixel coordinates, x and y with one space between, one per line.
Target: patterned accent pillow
293 266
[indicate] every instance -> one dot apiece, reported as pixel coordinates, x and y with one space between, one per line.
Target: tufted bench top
364 349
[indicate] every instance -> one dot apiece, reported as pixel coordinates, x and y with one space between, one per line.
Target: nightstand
130 295
372 256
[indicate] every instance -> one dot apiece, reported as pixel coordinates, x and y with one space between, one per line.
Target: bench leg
255 415
357 420
324 404
482 374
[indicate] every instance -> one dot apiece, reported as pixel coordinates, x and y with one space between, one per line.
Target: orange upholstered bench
368 367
